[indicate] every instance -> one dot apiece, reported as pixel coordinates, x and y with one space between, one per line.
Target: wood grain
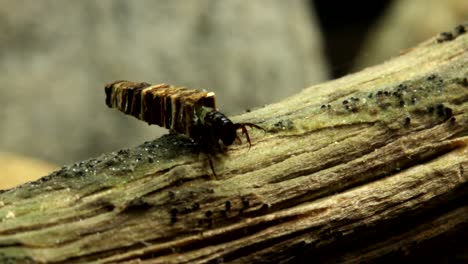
367 167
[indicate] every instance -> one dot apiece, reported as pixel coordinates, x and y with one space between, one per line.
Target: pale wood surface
378 176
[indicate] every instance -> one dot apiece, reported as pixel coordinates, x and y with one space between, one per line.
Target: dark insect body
185 111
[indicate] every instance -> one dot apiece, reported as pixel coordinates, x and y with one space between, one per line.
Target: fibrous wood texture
368 167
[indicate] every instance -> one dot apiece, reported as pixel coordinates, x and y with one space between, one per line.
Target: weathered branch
368 166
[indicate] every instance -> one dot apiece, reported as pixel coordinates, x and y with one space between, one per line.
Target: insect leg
244 132
243 127
211 165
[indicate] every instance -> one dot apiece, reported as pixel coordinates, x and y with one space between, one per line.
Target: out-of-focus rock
406 23
56 57
16 169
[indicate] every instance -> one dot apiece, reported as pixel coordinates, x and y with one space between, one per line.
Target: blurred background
57 56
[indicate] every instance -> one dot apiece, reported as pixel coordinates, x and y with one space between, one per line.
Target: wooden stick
369 166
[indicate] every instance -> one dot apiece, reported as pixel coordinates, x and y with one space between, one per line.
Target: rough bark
372 166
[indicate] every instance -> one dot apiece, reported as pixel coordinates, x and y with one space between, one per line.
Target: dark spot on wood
430 109
282 125
384 106
459 30
208 213
245 203
209 222
224 213
397 94
110 162
173 213
452 120
463 82
107 206
137 205
440 110
407 122
227 204
178 182
431 77
448 112
445 36
402 87
171 194
123 152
